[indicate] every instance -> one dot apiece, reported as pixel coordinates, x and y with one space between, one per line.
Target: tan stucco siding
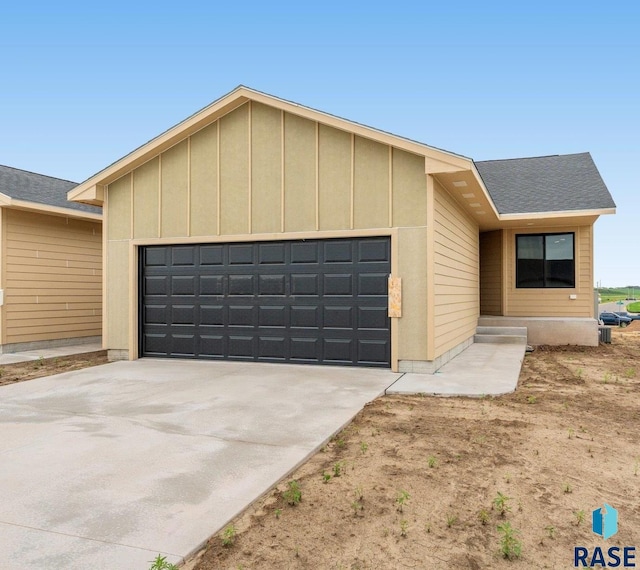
261 171
456 273
412 247
52 277
491 273
552 302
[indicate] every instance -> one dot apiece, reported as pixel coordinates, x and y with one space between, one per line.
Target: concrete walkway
109 466
26 355
481 370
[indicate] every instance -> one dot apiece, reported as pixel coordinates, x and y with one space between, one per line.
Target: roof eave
47 209
86 193
556 214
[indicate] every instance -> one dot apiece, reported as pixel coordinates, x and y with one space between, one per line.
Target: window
545 260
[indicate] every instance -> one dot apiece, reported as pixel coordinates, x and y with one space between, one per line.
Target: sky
81 85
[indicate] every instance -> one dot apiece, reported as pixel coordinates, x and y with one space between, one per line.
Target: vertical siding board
409 189
145 200
299 173
334 179
371 186
234 172
174 189
266 173
204 181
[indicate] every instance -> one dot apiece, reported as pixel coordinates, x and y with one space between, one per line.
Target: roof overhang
8 202
92 190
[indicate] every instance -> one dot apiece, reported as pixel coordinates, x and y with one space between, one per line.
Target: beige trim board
234 99
7 202
285 236
557 214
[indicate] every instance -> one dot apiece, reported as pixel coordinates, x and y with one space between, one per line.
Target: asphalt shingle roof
545 184
32 187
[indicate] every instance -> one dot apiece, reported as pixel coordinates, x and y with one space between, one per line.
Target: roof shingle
41 189
545 184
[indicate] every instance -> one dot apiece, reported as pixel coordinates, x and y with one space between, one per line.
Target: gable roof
20 186
560 183
91 190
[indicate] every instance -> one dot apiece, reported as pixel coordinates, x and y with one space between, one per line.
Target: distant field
634 307
610 294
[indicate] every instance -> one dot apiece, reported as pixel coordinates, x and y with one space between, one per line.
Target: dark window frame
545 277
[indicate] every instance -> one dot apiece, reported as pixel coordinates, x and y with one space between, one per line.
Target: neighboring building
50 264
259 229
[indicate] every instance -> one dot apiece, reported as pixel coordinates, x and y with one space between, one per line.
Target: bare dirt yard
30 369
425 482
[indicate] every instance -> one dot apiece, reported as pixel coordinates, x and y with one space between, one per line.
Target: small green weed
451 520
483 516
293 494
357 507
404 527
278 512
363 447
501 503
510 545
580 515
531 399
229 535
567 488
630 373
432 462
160 563
325 477
551 531
337 469
402 499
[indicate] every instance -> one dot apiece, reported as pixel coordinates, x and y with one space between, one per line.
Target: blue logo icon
605 521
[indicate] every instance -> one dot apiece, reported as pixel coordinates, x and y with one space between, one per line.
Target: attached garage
259 229
303 301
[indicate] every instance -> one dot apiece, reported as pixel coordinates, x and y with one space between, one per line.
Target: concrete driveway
107 467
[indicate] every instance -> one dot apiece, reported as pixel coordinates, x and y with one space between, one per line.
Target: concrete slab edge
197 552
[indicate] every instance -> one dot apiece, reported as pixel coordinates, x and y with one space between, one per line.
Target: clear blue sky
82 85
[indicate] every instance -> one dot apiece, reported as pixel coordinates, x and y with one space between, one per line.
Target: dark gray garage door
313 301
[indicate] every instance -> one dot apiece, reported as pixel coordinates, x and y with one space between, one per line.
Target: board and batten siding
552 302
456 273
52 277
491 266
262 171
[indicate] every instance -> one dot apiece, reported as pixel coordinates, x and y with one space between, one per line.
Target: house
259 229
50 264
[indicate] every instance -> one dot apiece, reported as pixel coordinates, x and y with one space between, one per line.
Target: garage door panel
241 346
211 285
305 284
183 315
272 347
211 255
373 250
373 284
304 317
336 317
212 346
212 315
272 316
373 351
271 285
241 254
338 284
316 301
241 316
183 285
